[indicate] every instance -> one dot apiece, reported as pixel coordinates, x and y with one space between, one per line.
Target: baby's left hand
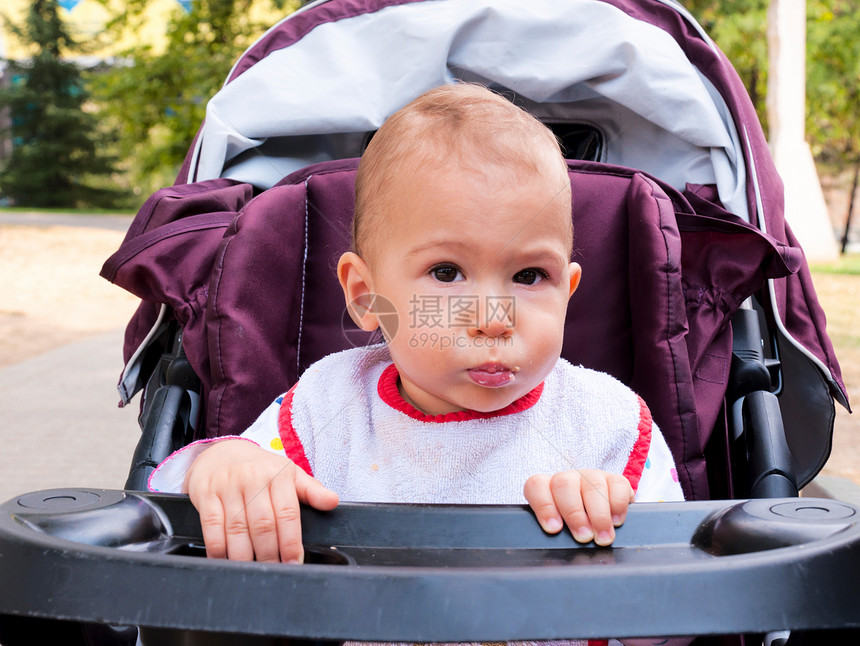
591 503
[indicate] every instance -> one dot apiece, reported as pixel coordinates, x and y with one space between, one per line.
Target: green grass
838 290
66 211
847 264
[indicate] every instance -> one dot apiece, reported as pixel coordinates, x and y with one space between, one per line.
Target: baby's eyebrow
446 244
538 255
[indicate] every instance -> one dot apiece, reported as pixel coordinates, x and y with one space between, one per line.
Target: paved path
59 421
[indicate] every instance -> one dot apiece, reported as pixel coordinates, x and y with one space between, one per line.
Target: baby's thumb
312 492
539 496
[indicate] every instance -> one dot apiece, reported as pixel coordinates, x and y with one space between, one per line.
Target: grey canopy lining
565 60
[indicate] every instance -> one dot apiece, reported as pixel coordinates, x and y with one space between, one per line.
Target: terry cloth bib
347 425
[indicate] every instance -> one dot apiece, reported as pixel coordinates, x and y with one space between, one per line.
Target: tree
833 94
832 72
56 144
158 99
739 27
833 79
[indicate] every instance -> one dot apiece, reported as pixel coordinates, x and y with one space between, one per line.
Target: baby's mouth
493 375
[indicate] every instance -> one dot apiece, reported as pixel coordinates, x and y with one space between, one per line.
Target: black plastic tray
431 573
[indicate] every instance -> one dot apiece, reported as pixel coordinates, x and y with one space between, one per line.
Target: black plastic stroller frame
426 573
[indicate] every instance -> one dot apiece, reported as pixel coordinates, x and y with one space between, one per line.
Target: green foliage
739 27
158 100
57 153
155 101
833 79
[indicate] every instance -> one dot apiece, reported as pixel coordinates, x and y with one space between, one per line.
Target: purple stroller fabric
252 281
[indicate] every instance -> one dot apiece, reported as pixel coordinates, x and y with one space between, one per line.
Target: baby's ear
357 284
575 277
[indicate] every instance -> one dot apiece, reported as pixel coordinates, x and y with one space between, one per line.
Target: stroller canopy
317 98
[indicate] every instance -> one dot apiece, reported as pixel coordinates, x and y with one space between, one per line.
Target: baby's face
478 270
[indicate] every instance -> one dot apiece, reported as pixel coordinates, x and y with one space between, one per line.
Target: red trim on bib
390 394
292 444
639 453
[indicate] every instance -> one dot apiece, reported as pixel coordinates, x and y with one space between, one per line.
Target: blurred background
105 96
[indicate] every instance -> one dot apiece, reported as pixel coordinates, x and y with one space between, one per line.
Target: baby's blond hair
460 124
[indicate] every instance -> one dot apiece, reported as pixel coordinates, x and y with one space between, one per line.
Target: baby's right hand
248 501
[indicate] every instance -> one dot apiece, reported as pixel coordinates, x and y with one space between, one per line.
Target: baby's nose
496 316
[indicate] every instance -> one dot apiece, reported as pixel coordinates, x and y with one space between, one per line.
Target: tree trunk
851 205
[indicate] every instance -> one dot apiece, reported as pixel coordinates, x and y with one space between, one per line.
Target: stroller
725 339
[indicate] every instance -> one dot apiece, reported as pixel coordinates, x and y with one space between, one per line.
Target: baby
461 256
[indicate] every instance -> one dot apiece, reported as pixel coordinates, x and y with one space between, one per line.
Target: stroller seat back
253 285
624 82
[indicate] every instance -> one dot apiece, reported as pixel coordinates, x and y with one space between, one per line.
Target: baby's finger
566 492
537 492
312 492
212 523
239 547
595 496
262 527
621 494
285 503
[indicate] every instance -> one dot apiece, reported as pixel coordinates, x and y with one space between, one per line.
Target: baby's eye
446 273
529 276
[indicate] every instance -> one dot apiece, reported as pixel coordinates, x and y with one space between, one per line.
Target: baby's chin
483 404
491 400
